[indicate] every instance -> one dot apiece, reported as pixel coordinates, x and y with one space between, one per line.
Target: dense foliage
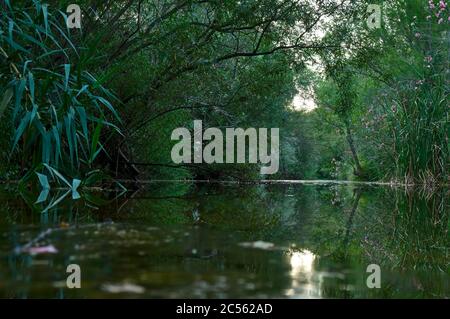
107 96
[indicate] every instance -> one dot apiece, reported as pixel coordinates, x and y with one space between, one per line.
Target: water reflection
188 243
302 262
303 277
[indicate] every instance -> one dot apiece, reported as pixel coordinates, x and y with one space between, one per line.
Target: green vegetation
100 102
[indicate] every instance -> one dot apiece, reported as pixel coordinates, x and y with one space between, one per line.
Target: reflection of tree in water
403 233
325 237
413 238
344 229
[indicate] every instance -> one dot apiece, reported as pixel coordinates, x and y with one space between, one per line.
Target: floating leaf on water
258 244
123 288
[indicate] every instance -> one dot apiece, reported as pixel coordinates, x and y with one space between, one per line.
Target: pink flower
442 4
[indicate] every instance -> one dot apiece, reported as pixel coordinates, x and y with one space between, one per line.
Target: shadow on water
185 240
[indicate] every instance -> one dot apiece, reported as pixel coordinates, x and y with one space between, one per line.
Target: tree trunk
358 169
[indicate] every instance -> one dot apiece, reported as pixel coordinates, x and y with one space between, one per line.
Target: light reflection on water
152 245
304 279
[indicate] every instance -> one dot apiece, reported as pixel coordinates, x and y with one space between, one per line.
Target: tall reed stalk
57 107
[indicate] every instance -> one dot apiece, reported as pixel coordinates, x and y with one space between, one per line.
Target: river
201 240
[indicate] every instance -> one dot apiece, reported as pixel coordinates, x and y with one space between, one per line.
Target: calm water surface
184 240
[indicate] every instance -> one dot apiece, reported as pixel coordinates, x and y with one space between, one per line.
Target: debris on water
250 286
59 284
50 249
121 233
258 244
64 225
40 263
168 240
123 288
